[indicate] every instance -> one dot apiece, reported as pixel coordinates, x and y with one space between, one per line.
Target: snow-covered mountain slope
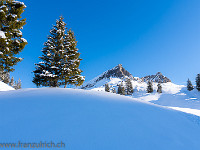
5 87
116 72
92 120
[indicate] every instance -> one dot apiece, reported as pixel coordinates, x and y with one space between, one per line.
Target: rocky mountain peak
116 72
158 77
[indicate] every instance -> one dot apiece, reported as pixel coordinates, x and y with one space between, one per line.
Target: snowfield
5 87
174 96
94 120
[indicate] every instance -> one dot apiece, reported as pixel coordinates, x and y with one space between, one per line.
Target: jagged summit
158 77
116 72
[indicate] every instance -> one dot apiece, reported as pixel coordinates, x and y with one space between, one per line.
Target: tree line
127 88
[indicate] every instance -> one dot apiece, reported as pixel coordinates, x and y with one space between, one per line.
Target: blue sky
146 36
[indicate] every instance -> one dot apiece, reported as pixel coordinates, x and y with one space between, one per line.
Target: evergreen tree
11 25
189 85
129 87
107 87
72 73
12 82
121 90
149 87
19 84
159 90
114 90
5 77
198 82
49 72
60 60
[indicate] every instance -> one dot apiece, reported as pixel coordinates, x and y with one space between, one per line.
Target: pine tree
71 71
149 87
121 89
159 90
19 84
114 90
198 82
49 72
12 82
189 85
60 60
5 77
129 87
11 25
107 87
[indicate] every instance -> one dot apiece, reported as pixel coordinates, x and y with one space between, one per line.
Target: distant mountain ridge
156 78
121 73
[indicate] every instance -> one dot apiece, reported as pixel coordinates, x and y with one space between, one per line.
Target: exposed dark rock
156 78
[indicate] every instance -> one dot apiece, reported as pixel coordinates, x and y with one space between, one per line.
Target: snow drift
5 87
92 120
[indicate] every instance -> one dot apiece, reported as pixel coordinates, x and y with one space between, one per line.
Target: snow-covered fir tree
189 85
149 87
198 82
159 90
114 90
60 60
5 77
10 26
49 70
121 89
71 72
12 82
129 86
107 87
19 84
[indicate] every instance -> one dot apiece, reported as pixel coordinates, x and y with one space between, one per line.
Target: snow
5 87
2 35
174 96
92 120
188 110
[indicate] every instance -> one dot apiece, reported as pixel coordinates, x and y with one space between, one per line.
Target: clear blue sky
146 36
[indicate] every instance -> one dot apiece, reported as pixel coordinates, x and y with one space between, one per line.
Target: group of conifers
190 87
59 63
127 88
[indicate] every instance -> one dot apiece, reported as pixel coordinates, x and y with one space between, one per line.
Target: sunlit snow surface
93 120
5 87
175 96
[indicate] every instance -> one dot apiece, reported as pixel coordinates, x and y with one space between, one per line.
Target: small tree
189 85
149 87
5 77
107 87
12 82
159 90
129 87
121 90
113 90
19 84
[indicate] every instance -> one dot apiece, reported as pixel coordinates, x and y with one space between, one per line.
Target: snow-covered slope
117 72
5 87
92 120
